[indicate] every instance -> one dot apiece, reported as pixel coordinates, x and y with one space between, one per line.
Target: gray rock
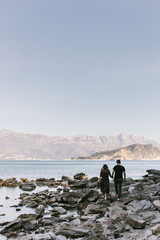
27 186
153 171
117 214
79 185
73 231
142 205
135 221
156 229
32 225
32 204
95 209
80 176
157 204
90 196
12 226
58 210
40 209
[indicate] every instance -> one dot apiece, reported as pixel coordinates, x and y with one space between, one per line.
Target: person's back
118 172
119 169
104 180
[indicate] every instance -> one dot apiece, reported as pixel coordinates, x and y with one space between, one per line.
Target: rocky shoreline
73 208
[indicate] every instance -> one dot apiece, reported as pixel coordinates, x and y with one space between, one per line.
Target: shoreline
73 208
69 159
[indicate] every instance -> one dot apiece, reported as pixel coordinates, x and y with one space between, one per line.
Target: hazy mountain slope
34 146
131 152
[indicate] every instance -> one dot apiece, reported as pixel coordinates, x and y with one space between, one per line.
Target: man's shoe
118 199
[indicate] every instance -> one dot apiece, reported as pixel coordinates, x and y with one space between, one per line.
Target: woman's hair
105 169
105 166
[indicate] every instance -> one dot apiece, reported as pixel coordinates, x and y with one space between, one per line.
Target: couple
118 173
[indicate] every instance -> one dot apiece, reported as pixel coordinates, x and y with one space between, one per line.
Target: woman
104 180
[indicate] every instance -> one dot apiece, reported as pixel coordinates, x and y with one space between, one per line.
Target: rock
93 179
73 231
137 206
40 209
18 209
80 176
95 209
70 197
135 221
12 226
136 187
45 236
117 214
150 216
156 229
157 204
27 186
64 184
31 225
32 204
52 200
1 182
153 171
58 210
90 196
10 182
27 217
79 185
69 179
46 221
24 180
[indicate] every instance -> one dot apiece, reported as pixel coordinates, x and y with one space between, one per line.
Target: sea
56 169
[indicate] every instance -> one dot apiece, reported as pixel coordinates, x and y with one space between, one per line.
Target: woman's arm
113 173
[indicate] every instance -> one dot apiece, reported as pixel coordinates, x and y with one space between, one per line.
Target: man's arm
124 173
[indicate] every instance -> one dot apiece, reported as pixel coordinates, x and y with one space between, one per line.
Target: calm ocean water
56 169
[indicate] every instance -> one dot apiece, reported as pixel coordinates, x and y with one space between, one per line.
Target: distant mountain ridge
131 152
22 146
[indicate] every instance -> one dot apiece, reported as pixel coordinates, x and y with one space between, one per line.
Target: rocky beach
73 208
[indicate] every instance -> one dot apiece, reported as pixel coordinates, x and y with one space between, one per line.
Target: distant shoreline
69 159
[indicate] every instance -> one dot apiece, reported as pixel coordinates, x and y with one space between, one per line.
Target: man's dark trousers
118 185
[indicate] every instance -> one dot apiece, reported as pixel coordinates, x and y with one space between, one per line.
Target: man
118 173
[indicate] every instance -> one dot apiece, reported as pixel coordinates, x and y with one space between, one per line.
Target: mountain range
131 152
23 146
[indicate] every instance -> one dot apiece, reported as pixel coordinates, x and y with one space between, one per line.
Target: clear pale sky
71 67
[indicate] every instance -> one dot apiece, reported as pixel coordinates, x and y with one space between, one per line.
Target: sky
80 67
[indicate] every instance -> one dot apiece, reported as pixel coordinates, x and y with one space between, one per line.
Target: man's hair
118 161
